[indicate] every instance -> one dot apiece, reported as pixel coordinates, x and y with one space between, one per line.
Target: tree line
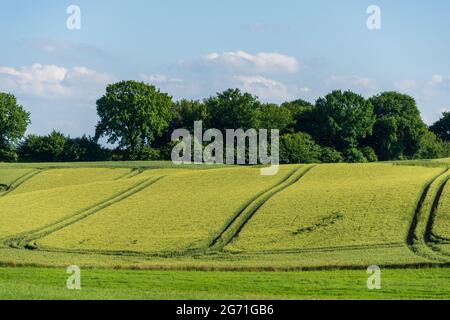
138 119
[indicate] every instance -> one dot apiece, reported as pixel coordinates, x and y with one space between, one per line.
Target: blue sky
278 50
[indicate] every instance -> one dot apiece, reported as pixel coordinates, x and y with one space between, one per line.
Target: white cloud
436 78
353 82
89 75
159 78
53 82
405 85
62 48
439 80
176 87
437 86
263 62
36 80
304 89
264 88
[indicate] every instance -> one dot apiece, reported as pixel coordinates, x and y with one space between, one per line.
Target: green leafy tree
354 155
133 114
186 112
298 148
49 148
300 111
13 124
431 147
84 149
341 120
232 109
369 154
398 127
442 127
330 155
271 116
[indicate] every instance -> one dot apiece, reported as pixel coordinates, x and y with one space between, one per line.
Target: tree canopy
442 127
14 121
232 109
133 114
140 119
340 120
398 127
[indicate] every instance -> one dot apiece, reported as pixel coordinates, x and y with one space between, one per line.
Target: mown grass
38 283
182 211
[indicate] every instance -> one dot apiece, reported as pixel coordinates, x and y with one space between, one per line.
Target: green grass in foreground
44 283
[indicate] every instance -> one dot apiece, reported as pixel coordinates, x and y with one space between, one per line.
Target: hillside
156 215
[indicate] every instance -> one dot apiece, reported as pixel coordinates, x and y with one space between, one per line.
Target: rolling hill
155 215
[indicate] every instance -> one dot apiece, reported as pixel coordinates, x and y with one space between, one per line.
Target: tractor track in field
241 218
232 229
19 181
24 240
416 239
433 213
322 249
131 174
173 254
234 226
432 240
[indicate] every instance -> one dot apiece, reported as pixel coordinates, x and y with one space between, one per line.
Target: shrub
8 153
431 147
84 149
148 153
330 155
299 148
354 155
43 148
369 154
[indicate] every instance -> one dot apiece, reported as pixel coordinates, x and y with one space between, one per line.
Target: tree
431 147
298 148
300 112
186 112
13 124
329 155
49 148
341 120
398 127
133 114
354 155
232 109
271 116
442 127
369 154
84 149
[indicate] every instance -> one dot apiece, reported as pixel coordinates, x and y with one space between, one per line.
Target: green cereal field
153 230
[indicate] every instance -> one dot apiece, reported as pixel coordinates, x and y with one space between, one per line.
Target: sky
277 50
